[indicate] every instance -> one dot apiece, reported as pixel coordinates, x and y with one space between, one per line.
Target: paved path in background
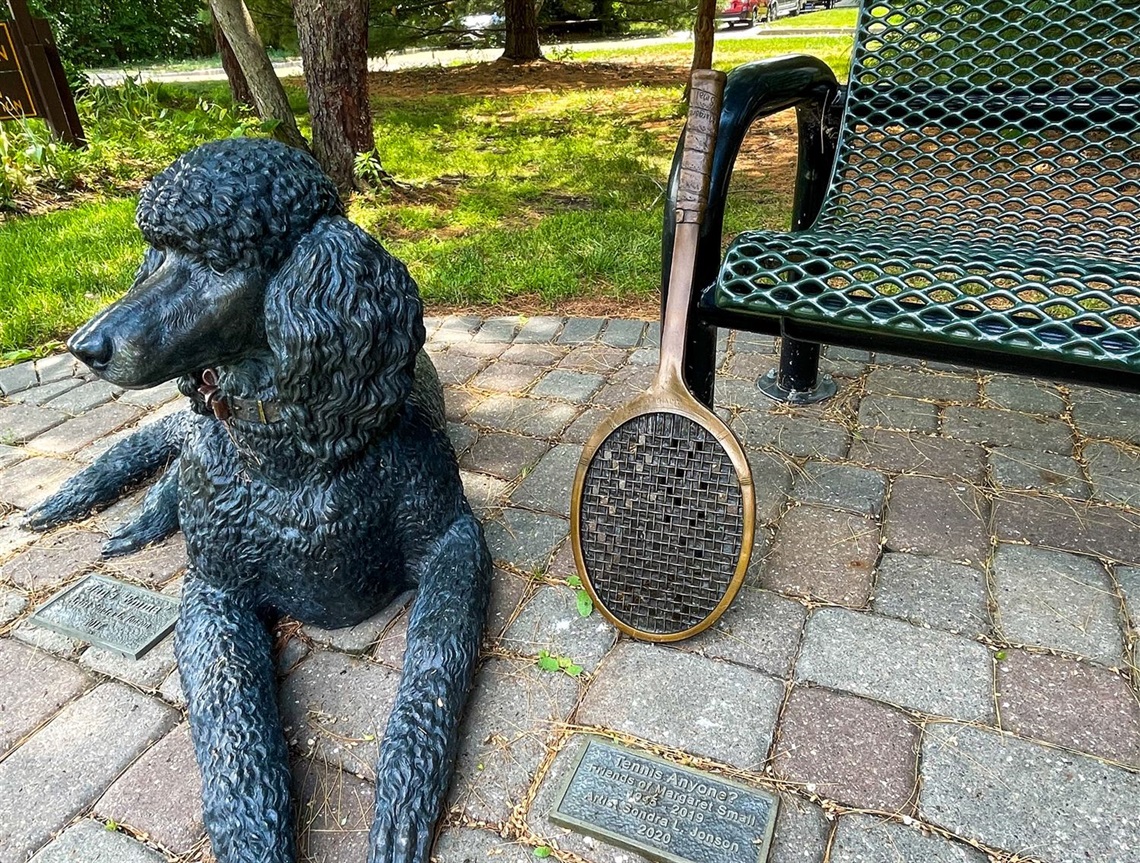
934 658
450 57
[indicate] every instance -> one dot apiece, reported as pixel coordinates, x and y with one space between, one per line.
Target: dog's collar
226 408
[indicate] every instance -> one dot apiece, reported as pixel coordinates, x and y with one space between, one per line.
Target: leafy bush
28 156
110 32
133 130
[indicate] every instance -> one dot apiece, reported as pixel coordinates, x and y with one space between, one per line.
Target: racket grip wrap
705 91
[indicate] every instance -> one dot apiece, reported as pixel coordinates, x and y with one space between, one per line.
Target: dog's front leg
130 460
225 659
418 753
154 520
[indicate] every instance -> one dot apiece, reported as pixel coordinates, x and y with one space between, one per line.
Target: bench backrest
1015 121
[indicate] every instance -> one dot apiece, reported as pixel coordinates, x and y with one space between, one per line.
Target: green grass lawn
828 18
508 195
729 53
58 269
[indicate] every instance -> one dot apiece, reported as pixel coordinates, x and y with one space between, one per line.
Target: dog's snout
92 347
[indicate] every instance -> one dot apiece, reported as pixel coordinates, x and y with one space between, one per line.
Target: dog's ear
345 322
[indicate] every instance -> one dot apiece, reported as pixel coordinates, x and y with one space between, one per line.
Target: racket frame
669 393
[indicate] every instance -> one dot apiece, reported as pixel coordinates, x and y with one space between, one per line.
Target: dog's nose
93 348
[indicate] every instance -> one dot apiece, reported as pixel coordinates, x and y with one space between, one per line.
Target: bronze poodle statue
312 478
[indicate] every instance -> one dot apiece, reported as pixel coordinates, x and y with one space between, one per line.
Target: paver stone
68 763
550 621
708 708
760 629
88 841
160 794
1011 793
801 832
932 592
856 752
1069 703
547 487
513 711
823 554
937 518
334 813
33 686
889 660
866 839
468 845
30 481
336 707
1080 526
1058 600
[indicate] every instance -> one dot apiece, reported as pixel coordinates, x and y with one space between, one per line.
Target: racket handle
705 91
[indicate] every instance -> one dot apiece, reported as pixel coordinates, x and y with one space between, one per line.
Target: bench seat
1008 298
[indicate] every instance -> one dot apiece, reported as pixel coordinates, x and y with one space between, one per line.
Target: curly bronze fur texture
347 497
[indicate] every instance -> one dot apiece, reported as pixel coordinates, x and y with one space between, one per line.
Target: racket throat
670 368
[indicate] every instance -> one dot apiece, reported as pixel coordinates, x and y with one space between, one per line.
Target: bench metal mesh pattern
660 523
987 184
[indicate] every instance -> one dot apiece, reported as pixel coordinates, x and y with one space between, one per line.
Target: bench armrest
757 90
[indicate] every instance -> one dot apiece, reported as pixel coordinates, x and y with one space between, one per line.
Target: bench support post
797 381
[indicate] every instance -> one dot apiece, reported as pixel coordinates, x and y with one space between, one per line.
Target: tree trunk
268 94
703 29
333 37
239 87
522 32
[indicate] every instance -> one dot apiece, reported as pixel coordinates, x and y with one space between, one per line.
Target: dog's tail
418 753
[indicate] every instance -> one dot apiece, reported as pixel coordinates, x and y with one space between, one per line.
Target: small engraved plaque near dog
663 811
110 613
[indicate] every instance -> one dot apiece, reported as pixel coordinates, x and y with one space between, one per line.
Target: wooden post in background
42 71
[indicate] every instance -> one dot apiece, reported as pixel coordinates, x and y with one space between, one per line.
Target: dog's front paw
402 843
154 520
57 509
401 833
141 531
119 545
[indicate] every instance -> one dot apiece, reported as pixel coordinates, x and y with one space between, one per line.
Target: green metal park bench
971 195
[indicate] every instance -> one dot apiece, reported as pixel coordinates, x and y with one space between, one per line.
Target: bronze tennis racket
663 512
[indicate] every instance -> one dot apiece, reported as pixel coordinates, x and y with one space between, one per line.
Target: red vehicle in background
735 12
749 12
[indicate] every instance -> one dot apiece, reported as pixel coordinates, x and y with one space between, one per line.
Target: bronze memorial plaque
15 94
662 810
110 613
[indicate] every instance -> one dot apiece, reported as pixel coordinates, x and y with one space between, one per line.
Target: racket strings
661 523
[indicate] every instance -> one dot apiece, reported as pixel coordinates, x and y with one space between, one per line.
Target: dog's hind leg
418 753
130 460
226 662
154 520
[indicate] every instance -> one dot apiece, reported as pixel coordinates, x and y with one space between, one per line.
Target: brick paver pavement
933 658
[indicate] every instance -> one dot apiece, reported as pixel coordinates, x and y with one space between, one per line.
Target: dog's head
251 255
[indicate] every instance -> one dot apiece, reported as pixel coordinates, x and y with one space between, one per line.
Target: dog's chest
300 535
